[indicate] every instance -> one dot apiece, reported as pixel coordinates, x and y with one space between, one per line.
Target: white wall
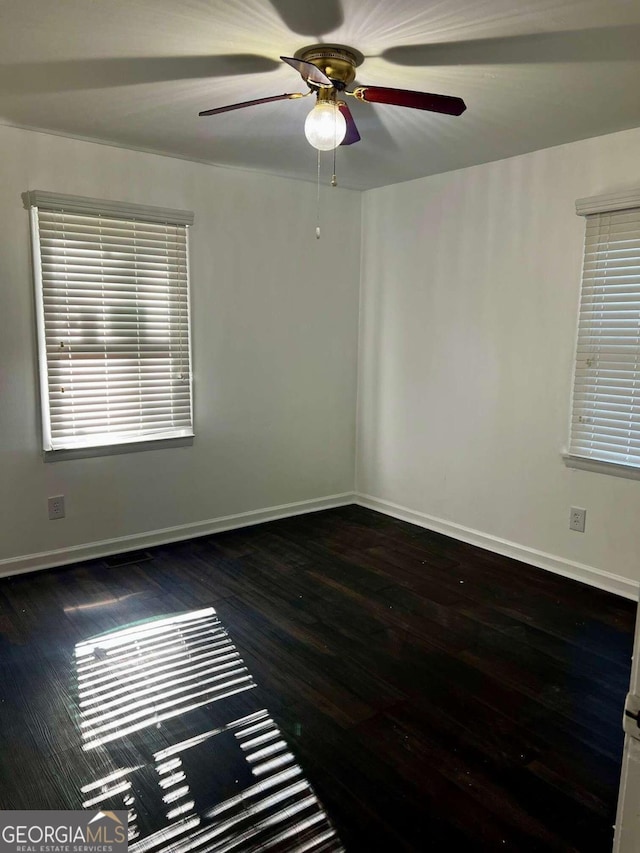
470 287
274 337
470 284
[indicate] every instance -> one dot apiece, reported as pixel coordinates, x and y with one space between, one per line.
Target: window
605 424
112 296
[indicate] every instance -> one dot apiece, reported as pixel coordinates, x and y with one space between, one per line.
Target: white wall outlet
577 519
56 507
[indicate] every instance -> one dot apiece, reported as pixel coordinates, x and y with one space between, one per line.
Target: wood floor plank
436 695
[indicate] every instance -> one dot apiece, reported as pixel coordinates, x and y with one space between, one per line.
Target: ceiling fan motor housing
338 62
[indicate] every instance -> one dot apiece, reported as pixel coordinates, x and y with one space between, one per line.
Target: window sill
629 472
116 449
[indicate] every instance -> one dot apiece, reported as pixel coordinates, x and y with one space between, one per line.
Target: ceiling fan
328 70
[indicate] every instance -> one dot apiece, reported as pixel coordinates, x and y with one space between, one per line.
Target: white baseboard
93 550
568 568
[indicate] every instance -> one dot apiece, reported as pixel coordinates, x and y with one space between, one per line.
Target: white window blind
113 304
605 422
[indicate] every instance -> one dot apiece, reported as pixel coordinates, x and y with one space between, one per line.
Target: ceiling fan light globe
325 126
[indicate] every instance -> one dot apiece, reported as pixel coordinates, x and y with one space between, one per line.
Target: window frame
38 199
628 199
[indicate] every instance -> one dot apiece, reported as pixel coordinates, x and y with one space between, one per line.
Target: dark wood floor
431 692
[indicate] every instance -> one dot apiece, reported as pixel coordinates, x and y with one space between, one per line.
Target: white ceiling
534 73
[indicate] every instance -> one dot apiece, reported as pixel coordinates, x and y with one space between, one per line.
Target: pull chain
318 201
334 180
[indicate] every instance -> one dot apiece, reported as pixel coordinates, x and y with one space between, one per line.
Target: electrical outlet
56 507
577 519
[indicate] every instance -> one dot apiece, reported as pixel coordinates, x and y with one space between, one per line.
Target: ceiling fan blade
415 100
308 72
244 104
352 134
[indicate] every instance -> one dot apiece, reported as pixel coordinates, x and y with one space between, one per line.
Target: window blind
605 422
114 327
